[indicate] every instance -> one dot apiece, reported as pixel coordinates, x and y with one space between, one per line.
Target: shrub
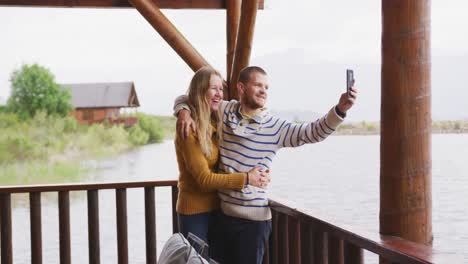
8 120
138 136
151 126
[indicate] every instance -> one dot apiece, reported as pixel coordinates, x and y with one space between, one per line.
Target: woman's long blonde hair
200 107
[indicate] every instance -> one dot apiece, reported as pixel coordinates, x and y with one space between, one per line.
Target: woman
197 156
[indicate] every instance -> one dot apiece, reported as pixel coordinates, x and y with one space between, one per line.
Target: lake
338 178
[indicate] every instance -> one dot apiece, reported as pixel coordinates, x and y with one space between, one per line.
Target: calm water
338 178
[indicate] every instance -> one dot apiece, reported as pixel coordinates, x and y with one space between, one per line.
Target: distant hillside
306 116
300 83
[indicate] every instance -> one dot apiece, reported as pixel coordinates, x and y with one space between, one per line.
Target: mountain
301 84
306 116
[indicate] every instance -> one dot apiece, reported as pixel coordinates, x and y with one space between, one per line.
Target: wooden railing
92 189
297 237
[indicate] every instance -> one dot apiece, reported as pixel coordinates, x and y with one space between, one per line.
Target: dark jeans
244 240
205 226
197 224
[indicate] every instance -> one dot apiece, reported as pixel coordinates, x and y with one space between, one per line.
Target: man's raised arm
294 135
184 121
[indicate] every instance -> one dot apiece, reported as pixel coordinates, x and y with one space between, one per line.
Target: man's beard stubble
250 103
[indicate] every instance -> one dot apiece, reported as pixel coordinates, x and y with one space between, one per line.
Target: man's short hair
244 75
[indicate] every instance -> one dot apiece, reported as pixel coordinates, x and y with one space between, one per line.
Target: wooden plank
6 236
36 227
274 237
84 186
93 227
306 242
122 233
294 237
352 254
150 225
233 11
243 43
175 222
64 227
335 250
283 239
163 4
319 246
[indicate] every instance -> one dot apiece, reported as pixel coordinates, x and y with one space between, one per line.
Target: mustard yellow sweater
198 184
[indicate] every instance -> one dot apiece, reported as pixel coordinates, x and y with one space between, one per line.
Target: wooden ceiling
163 4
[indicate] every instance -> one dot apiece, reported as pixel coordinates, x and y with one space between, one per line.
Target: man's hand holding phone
348 99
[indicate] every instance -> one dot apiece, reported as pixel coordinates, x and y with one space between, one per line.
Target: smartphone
349 81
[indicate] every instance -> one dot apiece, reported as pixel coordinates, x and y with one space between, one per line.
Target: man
251 136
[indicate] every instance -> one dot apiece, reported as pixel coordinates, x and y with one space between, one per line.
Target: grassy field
48 149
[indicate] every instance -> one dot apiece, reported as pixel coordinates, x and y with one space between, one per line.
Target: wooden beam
163 4
233 11
243 44
151 12
405 142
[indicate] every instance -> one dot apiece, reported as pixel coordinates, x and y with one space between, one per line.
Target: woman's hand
259 177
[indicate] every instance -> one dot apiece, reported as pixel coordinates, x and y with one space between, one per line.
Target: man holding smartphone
251 137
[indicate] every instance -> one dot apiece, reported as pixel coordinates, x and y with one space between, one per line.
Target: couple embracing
225 150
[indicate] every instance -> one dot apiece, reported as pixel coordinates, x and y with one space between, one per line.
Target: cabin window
88 114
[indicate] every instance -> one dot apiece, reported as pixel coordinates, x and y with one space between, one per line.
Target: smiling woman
197 157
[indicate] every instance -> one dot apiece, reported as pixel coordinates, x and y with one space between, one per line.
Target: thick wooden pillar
405 144
233 11
169 32
243 44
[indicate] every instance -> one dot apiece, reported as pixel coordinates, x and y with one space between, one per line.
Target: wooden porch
297 237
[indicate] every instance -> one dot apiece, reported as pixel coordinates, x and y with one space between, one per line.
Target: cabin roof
94 95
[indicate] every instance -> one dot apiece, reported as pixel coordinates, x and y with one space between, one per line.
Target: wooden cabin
96 102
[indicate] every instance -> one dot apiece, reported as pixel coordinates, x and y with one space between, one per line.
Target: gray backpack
178 250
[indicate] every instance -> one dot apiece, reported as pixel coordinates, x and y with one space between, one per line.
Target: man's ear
240 89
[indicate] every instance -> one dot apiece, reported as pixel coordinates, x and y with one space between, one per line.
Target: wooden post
150 225
169 32
233 11
405 153
122 231
175 221
243 44
93 227
283 239
335 250
36 227
294 230
6 232
64 227
353 254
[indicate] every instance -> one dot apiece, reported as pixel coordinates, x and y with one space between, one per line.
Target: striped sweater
255 141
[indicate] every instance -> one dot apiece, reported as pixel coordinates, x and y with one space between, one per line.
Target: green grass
49 148
36 172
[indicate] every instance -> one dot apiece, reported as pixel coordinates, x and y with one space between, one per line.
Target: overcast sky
305 45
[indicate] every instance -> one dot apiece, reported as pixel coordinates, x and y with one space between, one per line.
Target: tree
34 89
